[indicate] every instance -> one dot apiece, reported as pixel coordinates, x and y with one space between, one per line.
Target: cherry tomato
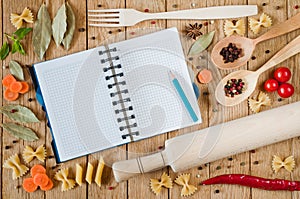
271 85
282 74
285 90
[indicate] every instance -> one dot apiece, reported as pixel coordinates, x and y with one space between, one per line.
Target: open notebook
115 94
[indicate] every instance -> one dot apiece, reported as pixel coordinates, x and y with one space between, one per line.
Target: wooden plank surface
257 162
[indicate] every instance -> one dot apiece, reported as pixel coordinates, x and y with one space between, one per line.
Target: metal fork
130 17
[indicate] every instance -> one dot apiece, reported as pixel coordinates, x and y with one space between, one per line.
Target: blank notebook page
79 105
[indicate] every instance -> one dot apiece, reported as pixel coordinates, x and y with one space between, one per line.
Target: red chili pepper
255 182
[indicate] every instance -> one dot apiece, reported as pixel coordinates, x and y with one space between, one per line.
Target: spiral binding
122 112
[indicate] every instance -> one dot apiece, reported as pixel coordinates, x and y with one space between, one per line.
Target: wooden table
256 162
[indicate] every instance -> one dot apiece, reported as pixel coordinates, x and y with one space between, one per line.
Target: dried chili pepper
255 182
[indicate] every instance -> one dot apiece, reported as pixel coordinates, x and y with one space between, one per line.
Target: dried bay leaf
201 43
16 70
70 27
42 31
20 132
19 113
59 25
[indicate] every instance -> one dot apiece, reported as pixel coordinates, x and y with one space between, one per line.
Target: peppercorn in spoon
249 78
247 45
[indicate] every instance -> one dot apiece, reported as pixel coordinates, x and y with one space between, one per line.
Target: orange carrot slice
37 169
204 76
25 87
10 96
48 186
41 179
29 185
15 86
7 80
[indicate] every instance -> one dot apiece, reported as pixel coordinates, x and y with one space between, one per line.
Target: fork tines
104 18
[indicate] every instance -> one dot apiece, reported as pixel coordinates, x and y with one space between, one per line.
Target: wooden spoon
247 45
250 78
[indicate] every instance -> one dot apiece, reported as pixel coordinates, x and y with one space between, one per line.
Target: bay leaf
59 25
20 113
16 70
201 43
70 27
20 132
42 31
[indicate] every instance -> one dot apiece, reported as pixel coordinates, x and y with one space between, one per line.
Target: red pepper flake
205 23
13 110
110 188
153 22
296 7
146 10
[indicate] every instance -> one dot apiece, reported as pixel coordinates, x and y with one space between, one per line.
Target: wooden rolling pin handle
126 169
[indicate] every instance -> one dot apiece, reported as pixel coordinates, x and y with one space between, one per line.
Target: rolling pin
216 142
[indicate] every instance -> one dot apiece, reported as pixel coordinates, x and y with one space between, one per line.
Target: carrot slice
41 179
37 169
204 76
48 186
15 86
29 185
10 96
7 80
25 87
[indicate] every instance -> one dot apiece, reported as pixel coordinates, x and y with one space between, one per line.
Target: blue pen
183 97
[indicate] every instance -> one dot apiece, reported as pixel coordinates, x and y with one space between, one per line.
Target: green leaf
20 132
41 35
15 47
70 27
59 25
19 113
22 32
201 43
4 51
16 70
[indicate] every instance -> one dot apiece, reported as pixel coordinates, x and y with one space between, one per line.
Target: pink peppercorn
153 22
13 110
296 6
146 10
110 188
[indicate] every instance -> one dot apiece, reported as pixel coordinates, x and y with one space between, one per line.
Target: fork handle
217 12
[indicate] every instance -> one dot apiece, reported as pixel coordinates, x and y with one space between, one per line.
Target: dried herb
4 51
20 131
193 31
201 43
16 38
19 113
59 25
42 32
16 70
70 27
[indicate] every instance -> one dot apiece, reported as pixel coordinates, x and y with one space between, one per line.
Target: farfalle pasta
40 153
99 171
62 176
156 185
230 27
187 189
17 20
263 100
264 20
278 163
14 163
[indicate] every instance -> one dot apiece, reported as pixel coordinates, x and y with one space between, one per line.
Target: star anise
193 30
